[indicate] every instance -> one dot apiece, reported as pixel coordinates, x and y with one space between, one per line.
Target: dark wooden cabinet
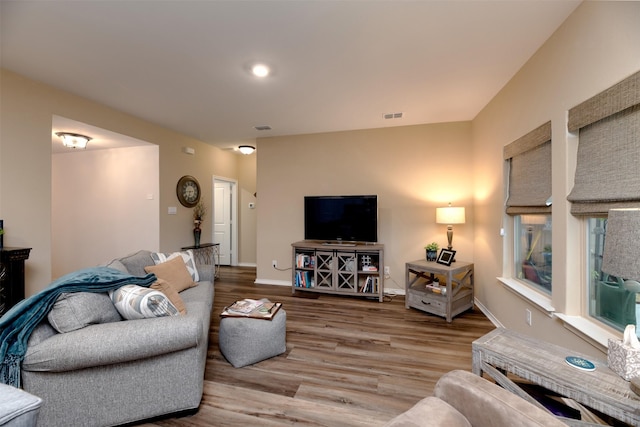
12 276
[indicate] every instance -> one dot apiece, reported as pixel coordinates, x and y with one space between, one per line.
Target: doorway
225 219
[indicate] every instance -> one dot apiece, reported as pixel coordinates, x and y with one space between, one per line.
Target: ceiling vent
263 127
388 116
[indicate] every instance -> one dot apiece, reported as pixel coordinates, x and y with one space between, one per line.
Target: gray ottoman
17 407
245 341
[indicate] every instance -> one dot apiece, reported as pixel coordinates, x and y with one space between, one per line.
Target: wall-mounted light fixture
74 140
246 149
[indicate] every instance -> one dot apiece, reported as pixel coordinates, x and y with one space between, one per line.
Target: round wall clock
188 191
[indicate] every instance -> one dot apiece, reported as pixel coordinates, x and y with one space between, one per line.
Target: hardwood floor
349 361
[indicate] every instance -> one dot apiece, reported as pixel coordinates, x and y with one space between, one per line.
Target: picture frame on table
446 256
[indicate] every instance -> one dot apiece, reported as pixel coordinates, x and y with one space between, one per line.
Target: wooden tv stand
338 268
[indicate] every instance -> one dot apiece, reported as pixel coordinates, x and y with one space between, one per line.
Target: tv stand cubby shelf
353 269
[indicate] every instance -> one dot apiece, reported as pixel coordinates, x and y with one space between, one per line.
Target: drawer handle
426 302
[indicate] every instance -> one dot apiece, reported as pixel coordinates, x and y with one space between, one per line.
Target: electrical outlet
274 263
387 271
528 316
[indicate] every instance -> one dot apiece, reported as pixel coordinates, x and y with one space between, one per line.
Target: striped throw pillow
136 302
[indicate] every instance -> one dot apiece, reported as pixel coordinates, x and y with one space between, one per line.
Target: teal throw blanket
17 324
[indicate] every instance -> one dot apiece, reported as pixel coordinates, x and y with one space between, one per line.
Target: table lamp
450 215
621 257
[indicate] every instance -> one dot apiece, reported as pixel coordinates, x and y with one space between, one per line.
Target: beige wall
596 47
412 169
104 202
27 108
247 217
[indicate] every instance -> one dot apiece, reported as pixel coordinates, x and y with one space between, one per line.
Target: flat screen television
341 218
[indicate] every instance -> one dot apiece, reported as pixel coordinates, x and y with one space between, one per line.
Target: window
533 250
606 177
610 302
529 202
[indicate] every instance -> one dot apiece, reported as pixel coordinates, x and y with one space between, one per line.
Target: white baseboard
247 264
272 282
487 313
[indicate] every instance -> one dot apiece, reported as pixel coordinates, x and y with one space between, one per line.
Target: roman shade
529 160
607 174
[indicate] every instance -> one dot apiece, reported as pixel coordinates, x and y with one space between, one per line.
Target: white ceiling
338 65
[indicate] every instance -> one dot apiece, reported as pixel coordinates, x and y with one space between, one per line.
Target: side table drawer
425 302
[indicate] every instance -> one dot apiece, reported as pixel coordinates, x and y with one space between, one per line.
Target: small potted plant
432 251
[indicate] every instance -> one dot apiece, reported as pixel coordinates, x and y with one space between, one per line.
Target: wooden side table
455 297
544 364
207 254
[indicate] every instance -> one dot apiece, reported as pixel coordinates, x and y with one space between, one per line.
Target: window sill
542 302
581 326
588 330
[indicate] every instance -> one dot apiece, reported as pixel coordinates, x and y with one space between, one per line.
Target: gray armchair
463 399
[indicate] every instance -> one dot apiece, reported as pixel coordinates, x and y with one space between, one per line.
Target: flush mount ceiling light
246 149
260 70
74 140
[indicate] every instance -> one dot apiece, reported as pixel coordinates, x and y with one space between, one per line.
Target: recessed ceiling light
260 70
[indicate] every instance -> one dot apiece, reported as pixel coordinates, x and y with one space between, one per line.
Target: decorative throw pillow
170 292
75 310
116 264
136 302
187 256
173 272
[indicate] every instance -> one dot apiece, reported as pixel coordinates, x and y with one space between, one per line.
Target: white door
223 220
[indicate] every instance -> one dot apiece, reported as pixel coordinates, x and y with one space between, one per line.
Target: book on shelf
304 279
370 285
305 261
437 288
251 308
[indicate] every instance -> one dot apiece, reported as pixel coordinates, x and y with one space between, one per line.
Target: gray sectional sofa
124 371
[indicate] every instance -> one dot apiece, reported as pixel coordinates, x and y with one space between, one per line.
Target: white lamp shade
621 256
450 215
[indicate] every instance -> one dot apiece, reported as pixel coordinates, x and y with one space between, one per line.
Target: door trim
234 214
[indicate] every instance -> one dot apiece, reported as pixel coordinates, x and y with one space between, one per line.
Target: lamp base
450 240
